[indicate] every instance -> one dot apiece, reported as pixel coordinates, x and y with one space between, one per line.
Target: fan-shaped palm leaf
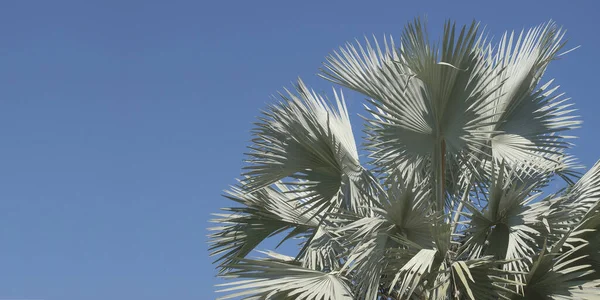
304 139
277 280
529 120
264 213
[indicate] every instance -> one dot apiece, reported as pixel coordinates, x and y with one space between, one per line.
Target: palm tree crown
463 136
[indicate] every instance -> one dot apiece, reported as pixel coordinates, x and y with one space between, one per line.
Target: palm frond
530 121
304 139
277 280
406 204
323 251
410 275
430 104
564 212
505 228
263 213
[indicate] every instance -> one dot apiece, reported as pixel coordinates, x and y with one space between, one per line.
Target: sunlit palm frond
582 222
564 212
567 270
323 250
367 259
429 104
407 205
263 213
278 280
403 222
274 256
584 197
530 120
304 139
409 277
506 227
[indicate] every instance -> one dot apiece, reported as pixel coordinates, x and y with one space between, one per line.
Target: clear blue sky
121 122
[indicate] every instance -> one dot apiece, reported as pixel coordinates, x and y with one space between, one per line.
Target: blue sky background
121 122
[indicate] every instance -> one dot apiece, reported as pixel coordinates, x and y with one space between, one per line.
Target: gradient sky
121 122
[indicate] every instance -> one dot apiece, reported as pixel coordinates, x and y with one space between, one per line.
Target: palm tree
464 139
